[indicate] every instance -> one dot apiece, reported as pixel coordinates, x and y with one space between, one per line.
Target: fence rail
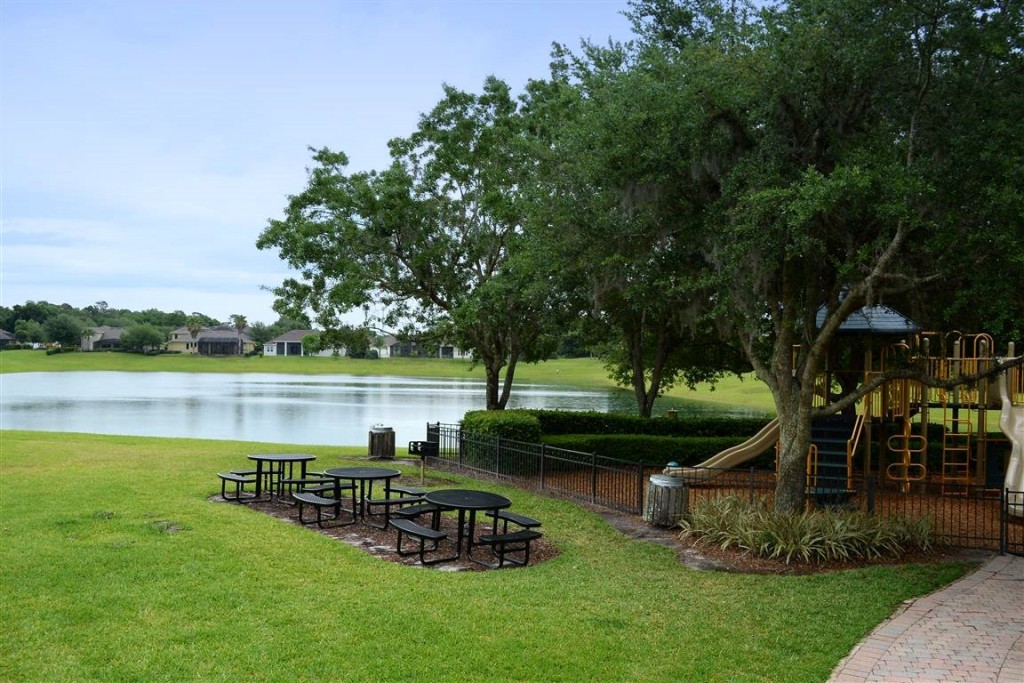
977 517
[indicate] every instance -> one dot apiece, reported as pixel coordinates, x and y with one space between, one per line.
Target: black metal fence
975 517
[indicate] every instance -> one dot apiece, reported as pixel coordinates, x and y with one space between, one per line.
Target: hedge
514 425
553 422
649 450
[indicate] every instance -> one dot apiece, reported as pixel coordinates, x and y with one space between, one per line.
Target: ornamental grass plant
815 536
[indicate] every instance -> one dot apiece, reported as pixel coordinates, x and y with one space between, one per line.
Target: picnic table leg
458 536
470 543
259 478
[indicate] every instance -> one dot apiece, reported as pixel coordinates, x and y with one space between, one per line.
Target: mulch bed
381 542
732 560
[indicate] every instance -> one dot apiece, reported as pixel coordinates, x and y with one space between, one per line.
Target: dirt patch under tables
382 542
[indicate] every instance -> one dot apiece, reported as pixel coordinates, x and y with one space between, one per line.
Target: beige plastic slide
738 454
1011 421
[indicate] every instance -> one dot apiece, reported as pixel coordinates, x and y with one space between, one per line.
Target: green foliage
260 334
312 344
687 441
431 239
29 331
33 314
517 425
806 156
142 338
355 340
555 422
63 329
808 537
652 450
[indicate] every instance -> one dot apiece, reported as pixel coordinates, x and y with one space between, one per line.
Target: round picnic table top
362 473
467 499
282 457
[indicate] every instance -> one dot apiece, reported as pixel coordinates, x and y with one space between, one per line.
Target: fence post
593 477
543 456
640 489
870 481
497 455
1004 519
752 476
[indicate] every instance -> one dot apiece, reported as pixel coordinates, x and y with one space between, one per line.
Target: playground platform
971 630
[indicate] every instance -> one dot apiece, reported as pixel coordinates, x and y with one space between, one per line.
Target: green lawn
579 372
115 566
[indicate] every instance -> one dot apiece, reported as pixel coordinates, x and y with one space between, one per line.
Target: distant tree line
42 322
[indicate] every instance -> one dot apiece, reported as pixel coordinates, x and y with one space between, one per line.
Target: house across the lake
393 348
290 344
102 338
222 340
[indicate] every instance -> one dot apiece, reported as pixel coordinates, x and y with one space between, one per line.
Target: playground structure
907 435
910 434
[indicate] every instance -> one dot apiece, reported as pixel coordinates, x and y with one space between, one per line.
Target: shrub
686 451
815 536
518 425
491 425
554 422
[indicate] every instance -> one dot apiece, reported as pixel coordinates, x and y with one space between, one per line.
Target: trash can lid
666 480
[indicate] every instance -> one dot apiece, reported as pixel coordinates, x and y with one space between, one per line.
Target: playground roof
874 320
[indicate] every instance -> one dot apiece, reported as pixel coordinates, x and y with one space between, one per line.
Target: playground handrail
851 447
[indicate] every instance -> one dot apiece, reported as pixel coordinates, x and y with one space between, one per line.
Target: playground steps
830 478
956 456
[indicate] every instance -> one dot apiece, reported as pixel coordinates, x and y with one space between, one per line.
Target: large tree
620 216
847 150
142 338
429 240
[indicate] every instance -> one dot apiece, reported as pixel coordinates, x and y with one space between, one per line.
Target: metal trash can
666 500
382 443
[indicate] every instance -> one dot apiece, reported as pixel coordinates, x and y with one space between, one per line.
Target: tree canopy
430 240
811 154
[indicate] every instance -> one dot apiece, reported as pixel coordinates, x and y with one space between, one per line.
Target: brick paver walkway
971 631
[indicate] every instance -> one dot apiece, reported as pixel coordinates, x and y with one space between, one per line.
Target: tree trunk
493 374
794 440
506 385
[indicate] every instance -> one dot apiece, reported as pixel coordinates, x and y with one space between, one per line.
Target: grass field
116 566
579 372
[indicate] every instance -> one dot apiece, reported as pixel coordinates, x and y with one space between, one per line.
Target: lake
300 409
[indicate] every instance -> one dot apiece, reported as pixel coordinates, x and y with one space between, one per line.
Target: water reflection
327 409
323 409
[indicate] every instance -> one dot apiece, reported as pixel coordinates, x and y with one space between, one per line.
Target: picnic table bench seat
407 490
422 534
303 498
519 520
387 504
312 480
239 480
414 511
505 544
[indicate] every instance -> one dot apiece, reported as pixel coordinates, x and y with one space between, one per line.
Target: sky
144 145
